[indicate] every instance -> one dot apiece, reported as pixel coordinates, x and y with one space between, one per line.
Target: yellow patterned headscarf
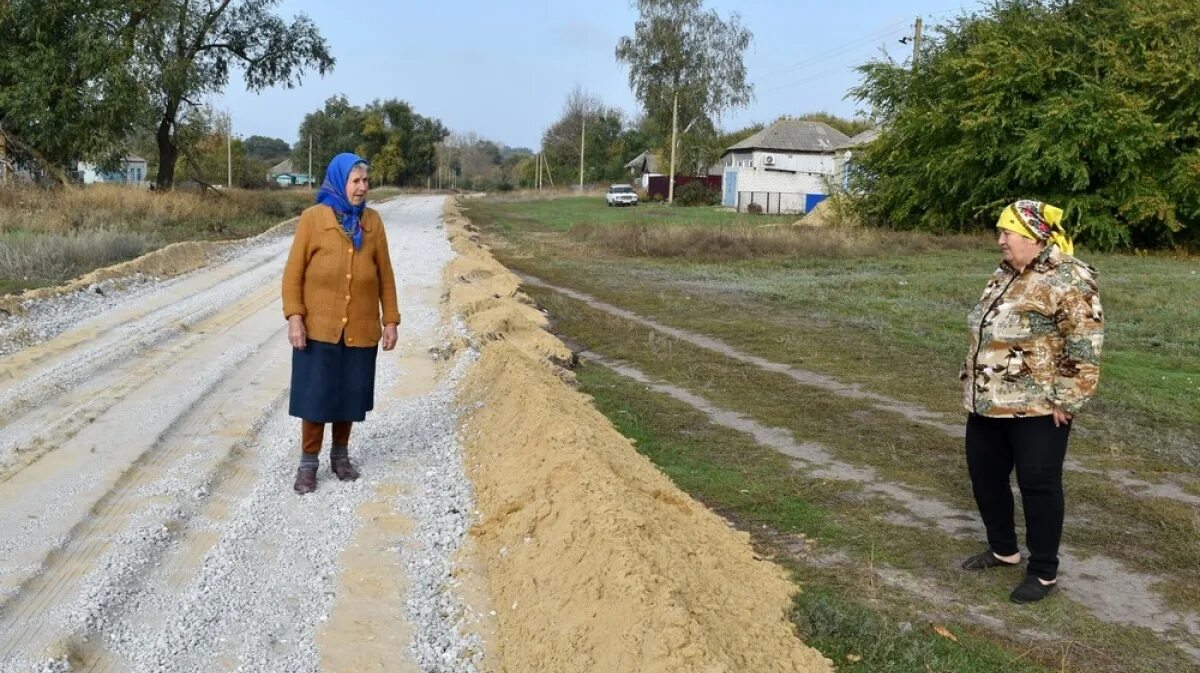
1036 221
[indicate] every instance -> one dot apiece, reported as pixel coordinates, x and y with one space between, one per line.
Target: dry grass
115 207
732 243
48 236
547 193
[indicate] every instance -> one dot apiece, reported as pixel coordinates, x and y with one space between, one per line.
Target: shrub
697 194
754 209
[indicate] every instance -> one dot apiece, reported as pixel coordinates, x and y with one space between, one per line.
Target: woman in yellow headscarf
1034 360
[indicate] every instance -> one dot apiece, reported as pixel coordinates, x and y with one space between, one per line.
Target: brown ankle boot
306 480
343 469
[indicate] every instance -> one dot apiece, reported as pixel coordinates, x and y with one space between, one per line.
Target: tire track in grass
909 411
1109 590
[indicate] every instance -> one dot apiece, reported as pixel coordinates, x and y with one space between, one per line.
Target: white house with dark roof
785 168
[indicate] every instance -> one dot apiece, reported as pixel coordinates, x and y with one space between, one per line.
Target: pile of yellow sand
595 561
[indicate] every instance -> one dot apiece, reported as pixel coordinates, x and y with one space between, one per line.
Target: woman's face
356 186
1018 250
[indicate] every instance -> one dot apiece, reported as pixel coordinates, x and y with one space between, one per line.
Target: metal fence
771 202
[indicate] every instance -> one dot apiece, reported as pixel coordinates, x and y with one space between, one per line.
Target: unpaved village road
148 523
146 462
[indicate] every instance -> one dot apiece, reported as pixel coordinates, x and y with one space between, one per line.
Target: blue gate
730 189
811 201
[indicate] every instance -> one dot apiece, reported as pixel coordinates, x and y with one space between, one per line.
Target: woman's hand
296 332
389 336
1061 417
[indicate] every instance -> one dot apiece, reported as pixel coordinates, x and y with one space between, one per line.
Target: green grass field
886 311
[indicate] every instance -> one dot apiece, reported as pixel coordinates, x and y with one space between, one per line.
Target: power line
915 39
837 50
814 76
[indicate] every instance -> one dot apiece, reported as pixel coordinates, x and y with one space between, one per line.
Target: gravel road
146 462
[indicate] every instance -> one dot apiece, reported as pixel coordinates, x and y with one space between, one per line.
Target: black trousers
1036 448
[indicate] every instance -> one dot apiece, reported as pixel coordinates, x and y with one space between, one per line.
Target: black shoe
1031 590
984 560
343 468
306 480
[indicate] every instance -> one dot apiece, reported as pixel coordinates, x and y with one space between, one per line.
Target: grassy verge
845 609
885 311
901 451
50 236
889 315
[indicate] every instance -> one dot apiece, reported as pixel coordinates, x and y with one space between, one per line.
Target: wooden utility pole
674 126
916 44
310 175
228 150
582 147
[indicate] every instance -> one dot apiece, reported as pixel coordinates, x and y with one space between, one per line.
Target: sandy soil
594 560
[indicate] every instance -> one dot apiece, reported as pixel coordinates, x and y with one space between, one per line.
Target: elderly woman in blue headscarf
339 298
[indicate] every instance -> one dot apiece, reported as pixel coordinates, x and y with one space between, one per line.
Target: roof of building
282 167
789 135
860 139
647 161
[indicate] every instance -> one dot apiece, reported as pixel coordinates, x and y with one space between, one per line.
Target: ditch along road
146 463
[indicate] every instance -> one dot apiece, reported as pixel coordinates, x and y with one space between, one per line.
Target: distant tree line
1088 104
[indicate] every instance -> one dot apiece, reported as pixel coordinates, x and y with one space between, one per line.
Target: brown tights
313 434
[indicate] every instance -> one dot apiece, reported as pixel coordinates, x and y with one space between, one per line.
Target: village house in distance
787 167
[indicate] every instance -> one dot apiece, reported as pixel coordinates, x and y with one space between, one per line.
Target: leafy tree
399 143
1088 104
335 128
264 148
679 49
605 151
67 89
190 46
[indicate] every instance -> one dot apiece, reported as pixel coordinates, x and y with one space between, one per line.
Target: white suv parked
621 195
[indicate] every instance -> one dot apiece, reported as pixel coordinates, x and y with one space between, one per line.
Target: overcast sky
504 69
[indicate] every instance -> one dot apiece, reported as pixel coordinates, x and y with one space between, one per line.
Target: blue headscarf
333 194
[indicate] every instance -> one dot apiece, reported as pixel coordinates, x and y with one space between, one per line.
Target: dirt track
145 467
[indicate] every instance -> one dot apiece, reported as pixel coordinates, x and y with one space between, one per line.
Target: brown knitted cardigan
340 290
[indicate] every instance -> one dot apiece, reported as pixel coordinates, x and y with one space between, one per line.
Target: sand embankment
594 560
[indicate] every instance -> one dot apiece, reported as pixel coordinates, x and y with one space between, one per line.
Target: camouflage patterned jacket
1035 339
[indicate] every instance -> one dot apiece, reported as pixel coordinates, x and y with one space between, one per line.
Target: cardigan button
349 340
351 251
345 320
347 276
347 297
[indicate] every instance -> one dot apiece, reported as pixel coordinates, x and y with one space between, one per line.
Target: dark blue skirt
332 382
